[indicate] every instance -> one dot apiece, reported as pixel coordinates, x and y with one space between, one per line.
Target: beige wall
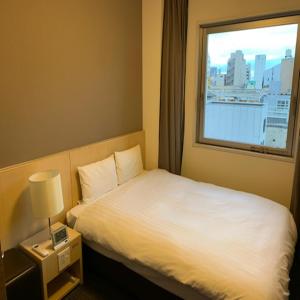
268 177
71 74
152 37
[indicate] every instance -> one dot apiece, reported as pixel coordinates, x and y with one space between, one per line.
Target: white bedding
74 212
223 243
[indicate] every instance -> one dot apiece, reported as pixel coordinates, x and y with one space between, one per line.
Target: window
248 85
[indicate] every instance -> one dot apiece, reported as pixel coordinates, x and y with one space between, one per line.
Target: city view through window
248 85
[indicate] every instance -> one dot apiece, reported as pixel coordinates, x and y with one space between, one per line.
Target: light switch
63 258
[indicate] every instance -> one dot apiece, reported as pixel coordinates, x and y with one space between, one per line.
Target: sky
272 41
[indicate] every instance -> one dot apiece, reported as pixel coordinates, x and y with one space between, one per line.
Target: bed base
120 275
141 288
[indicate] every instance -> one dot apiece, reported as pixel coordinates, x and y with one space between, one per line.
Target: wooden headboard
16 220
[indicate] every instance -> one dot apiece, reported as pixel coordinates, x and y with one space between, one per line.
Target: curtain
171 126
295 209
295 203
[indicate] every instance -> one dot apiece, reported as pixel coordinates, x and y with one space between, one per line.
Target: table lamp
46 195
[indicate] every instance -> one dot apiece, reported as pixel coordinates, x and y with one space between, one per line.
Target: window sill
287 159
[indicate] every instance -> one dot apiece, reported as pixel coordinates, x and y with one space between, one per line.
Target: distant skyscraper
236 70
208 66
220 80
288 53
260 65
213 71
248 72
279 78
271 79
286 73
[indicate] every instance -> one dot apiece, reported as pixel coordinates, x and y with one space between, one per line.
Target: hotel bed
196 240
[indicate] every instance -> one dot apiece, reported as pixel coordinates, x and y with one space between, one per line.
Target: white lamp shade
46 194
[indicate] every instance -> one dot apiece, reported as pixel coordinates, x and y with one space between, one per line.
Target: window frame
265 21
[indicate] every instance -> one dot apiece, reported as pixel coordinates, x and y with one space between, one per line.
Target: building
250 84
278 83
220 80
277 119
232 120
278 79
240 94
286 73
248 72
213 71
208 67
260 65
271 79
236 70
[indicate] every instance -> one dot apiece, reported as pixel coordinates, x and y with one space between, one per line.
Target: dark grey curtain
295 209
171 126
295 203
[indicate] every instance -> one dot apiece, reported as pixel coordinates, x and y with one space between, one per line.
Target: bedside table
57 283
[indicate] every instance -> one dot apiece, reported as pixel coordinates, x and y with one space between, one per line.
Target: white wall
257 174
152 15
264 176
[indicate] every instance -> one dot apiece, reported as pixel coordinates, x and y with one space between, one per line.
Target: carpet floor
97 288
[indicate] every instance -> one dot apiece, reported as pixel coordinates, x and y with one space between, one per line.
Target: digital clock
60 237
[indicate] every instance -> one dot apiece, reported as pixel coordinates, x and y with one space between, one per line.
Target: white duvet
223 243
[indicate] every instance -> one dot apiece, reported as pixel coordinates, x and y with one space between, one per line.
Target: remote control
42 252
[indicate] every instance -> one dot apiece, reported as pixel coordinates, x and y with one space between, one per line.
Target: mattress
218 243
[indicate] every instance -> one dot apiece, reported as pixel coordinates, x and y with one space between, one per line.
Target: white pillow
129 163
98 178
